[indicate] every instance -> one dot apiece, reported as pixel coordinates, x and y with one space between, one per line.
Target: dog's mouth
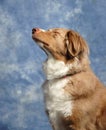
37 36
40 42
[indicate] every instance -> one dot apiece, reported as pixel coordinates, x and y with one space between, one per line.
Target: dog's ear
75 45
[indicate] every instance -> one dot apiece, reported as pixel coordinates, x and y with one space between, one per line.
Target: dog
75 99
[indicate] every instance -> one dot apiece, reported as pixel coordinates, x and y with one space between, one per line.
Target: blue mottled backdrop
21 102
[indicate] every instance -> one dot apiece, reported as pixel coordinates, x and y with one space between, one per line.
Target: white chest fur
55 69
57 102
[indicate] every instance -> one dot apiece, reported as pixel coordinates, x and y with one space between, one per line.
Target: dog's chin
43 45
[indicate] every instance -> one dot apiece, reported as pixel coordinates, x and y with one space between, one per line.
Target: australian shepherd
75 99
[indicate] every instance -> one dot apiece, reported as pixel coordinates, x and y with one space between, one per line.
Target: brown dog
75 99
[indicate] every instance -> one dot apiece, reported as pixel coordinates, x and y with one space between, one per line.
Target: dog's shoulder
84 84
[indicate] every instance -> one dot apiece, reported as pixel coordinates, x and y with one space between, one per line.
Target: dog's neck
55 69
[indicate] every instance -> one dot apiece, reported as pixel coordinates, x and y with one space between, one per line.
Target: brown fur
89 111
87 92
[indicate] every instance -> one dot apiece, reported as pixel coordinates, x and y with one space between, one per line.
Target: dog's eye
55 34
49 30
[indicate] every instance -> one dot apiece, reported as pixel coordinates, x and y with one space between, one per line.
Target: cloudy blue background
21 102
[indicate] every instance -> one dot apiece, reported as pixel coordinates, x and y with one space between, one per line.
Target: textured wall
21 105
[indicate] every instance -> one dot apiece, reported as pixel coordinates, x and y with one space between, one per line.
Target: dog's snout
35 30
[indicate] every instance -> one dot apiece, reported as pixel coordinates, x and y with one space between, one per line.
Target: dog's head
62 44
67 51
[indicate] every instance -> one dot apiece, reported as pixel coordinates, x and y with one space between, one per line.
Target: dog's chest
57 102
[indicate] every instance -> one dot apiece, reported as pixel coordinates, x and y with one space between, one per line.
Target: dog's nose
35 30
